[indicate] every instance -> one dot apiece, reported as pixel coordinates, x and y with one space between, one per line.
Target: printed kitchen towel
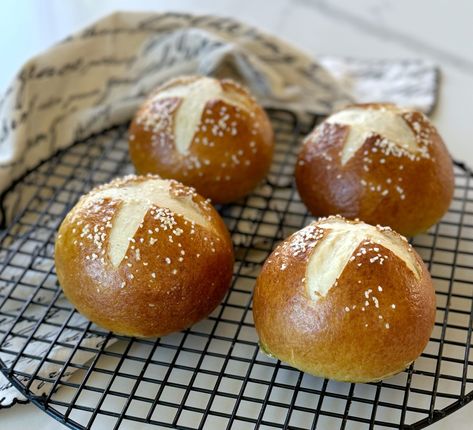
98 77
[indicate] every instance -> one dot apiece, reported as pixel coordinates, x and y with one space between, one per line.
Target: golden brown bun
381 182
206 133
142 256
364 320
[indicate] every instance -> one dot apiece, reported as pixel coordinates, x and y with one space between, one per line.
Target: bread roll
206 133
344 300
380 163
143 256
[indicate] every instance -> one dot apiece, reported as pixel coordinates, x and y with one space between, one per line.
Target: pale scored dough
137 200
335 249
195 95
388 123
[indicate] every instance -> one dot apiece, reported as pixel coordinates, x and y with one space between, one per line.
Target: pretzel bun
344 300
143 256
380 163
206 133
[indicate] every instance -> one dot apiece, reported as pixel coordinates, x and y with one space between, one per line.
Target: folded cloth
410 83
98 77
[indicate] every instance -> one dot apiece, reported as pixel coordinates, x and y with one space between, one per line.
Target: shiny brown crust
323 338
419 192
192 269
222 165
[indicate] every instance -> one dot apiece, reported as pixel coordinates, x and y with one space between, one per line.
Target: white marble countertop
439 31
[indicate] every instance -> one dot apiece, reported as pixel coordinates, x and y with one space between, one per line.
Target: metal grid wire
213 375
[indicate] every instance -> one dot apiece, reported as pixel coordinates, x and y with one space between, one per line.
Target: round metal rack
212 375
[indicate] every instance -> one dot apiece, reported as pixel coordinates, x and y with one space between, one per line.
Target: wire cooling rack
213 375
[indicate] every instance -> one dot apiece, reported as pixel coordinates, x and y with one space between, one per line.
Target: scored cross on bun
344 300
207 133
377 162
144 256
